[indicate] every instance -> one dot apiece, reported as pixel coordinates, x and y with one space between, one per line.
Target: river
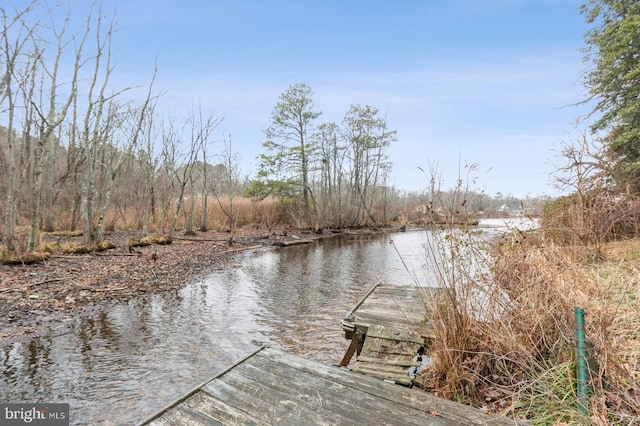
131 359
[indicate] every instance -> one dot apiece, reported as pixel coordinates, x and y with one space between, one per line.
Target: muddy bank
40 298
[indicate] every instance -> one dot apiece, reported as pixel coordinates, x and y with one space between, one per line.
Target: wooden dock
403 307
272 387
390 332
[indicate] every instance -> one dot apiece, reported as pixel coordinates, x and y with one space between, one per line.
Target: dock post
355 345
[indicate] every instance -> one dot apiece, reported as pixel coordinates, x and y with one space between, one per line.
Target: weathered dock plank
219 411
398 398
278 392
337 401
388 352
272 387
387 328
182 415
393 306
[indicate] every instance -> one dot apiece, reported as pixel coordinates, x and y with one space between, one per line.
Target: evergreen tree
285 169
613 50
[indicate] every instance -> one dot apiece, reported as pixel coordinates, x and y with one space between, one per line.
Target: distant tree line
77 153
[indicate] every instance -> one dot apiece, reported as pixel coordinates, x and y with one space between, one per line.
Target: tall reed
505 329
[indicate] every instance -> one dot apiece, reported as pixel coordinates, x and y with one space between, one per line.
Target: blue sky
486 82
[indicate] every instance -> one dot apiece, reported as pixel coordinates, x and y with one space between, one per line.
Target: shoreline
41 299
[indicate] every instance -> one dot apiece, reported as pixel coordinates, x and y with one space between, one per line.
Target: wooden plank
274 387
390 295
195 389
389 304
398 376
397 362
350 351
181 415
347 404
420 327
394 314
395 333
371 290
273 406
412 303
220 411
300 392
399 294
386 351
403 398
425 329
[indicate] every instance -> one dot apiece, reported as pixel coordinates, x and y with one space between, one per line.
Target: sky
490 83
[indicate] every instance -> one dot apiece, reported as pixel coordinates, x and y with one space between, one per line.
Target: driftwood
239 249
24 287
204 240
291 242
133 253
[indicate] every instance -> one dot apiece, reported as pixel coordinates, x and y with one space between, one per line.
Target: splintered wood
388 353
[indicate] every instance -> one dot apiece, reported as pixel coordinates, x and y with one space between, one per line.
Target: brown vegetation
505 332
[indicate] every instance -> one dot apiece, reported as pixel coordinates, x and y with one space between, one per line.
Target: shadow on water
131 359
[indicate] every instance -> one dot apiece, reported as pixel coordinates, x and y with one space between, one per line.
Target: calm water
130 360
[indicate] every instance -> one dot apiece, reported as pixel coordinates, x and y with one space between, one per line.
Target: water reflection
130 360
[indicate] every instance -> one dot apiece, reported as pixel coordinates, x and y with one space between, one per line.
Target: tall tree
181 166
14 66
332 156
286 166
204 127
149 163
228 181
613 49
97 127
367 137
52 116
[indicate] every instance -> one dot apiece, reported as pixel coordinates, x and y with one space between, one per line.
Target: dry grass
23 259
73 248
147 241
505 327
222 214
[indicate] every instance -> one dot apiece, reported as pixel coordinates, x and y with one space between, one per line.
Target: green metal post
581 362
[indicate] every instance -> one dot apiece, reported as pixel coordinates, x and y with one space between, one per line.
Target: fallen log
238 249
292 242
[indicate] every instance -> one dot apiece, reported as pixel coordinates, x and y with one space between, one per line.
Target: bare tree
13 38
332 157
104 145
367 138
190 214
585 166
230 161
149 162
596 206
47 142
179 166
205 128
128 129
